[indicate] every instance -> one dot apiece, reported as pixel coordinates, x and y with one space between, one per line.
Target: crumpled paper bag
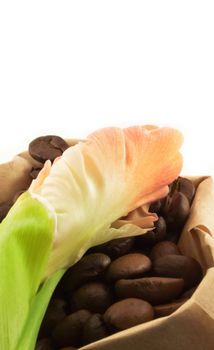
192 325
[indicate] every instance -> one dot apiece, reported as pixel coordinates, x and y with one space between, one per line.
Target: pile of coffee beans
124 282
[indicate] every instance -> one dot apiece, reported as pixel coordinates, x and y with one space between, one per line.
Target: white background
69 67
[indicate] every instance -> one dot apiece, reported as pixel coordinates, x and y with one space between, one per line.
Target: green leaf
26 237
37 311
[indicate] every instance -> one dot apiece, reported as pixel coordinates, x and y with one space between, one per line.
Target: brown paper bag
192 325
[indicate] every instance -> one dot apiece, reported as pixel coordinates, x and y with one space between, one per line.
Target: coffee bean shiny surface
150 238
55 313
168 309
177 211
116 247
164 248
94 329
93 296
47 147
156 290
69 331
179 266
89 268
160 229
127 266
184 186
128 313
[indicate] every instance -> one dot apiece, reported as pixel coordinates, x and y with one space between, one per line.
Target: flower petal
96 182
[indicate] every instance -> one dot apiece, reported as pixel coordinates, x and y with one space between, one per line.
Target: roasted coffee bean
156 290
164 248
168 309
121 262
4 209
173 236
87 269
178 266
128 266
128 313
152 237
69 331
146 241
93 296
160 229
34 172
55 313
177 210
184 186
44 344
163 204
17 196
189 292
47 147
116 247
155 207
94 329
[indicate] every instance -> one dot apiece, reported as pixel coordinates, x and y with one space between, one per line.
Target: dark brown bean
44 344
69 331
152 237
116 247
179 266
47 147
4 209
87 269
34 172
55 313
68 348
93 296
146 241
189 292
173 235
94 329
156 290
127 266
17 196
184 186
160 229
168 309
164 248
163 205
128 313
177 210
155 207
